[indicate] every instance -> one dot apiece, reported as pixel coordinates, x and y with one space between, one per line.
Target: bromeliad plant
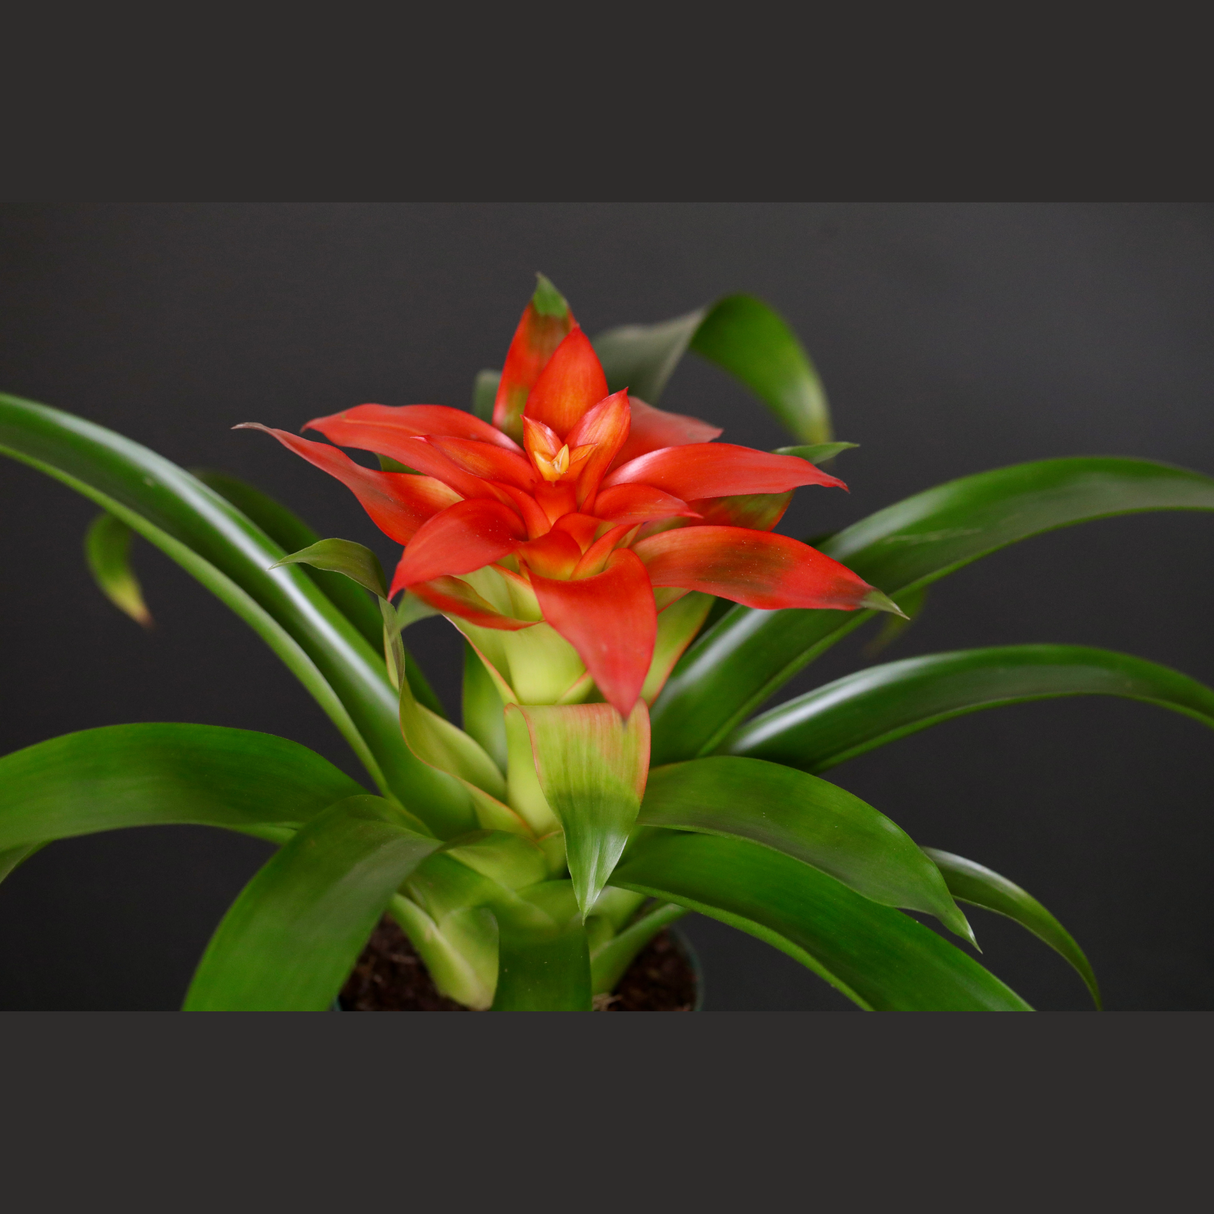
626 607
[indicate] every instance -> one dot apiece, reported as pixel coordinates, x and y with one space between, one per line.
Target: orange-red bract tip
569 386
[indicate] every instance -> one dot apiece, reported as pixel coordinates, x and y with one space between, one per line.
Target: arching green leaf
292 534
864 710
230 555
293 935
354 561
161 774
748 654
740 333
980 886
806 818
878 957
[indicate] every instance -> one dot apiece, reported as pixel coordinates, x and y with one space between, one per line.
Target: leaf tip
547 300
875 600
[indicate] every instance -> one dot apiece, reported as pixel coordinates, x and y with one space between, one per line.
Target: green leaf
610 961
547 300
161 774
740 333
291 533
230 555
107 549
484 393
911 603
14 857
544 960
816 453
878 957
748 655
980 886
642 358
592 768
484 711
446 748
871 707
291 938
388 464
355 561
410 609
805 818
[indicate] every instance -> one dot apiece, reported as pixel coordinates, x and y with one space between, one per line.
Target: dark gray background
951 339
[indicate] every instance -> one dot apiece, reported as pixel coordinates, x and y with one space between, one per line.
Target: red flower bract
604 500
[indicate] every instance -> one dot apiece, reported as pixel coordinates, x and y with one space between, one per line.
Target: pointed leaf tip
592 767
816 453
107 547
547 300
876 601
355 561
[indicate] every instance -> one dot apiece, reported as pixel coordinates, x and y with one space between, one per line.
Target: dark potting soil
390 977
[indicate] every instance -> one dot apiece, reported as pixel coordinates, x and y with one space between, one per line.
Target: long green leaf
878 957
161 774
211 539
803 817
291 938
291 534
740 333
748 654
980 886
871 707
107 550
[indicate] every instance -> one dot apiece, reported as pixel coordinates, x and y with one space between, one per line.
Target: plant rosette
626 607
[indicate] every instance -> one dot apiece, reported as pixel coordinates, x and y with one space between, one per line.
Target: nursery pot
389 976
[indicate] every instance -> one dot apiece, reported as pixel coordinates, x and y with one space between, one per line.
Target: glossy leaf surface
973 883
291 938
161 774
876 956
749 654
483 709
544 958
864 710
354 561
292 534
803 817
107 550
231 556
740 333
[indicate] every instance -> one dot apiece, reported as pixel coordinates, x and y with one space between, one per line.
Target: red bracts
583 502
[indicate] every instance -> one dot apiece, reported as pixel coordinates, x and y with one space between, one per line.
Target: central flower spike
578 541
